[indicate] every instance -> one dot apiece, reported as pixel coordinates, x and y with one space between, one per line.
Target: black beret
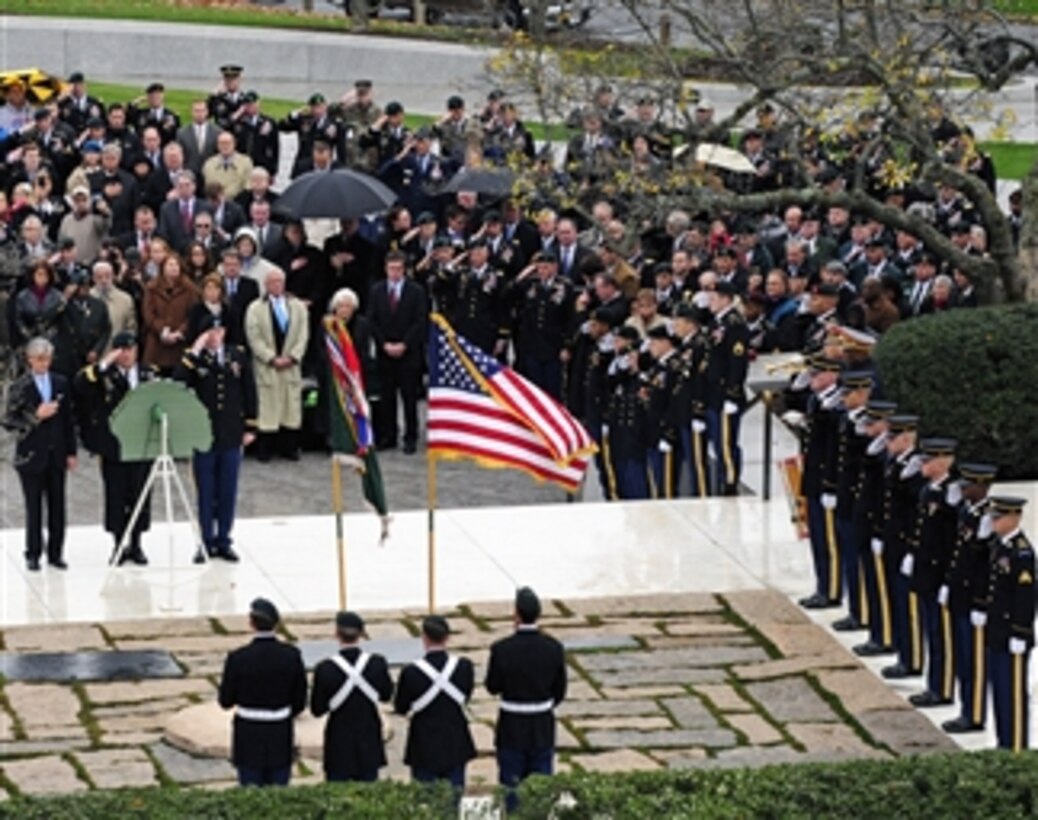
362 85
76 77
95 122
527 605
826 289
455 102
151 89
435 628
545 256
262 611
725 288
660 332
425 218
477 242
394 108
316 99
350 623
629 333
492 215
250 97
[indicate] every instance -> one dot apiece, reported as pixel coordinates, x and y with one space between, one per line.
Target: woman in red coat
168 299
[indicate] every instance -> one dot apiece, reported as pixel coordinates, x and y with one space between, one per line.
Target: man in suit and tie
278 329
39 409
101 387
198 138
569 251
397 311
143 231
922 283
161 185
241 291
177 216
268 234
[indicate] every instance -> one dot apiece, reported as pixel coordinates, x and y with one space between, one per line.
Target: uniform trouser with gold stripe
825 548
971 668
908 632
940 649
663 471
1009 697
847 535
694 453
878 593
723 430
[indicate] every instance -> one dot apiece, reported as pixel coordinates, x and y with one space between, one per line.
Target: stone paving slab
790 699
757 730
620 739
607 708
622 760
136 691
650 677
50 774
673 658
662 604
64 638
689 713
118 768
724 697
84 666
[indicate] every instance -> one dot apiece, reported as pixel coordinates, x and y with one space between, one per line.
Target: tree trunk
1029 235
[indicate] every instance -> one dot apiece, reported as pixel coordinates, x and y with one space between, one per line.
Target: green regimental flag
349 421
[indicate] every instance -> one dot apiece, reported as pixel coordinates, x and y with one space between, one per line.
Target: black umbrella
493 182
334 195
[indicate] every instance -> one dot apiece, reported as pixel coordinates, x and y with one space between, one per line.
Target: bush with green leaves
942 787
971 375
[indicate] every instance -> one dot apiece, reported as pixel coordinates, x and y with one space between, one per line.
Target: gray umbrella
339 194
488 181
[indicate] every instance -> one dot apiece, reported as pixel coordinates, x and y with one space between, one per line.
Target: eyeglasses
203 225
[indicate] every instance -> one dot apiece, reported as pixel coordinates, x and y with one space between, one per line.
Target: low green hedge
972 375
981 785
942 787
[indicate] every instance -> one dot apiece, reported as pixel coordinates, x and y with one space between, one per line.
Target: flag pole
340 540
431 483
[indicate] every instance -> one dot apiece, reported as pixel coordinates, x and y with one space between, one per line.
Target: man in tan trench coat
277 327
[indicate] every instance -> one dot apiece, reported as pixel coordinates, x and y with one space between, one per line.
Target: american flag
482 410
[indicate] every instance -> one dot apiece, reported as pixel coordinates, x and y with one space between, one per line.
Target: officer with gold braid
726 385
967 584
1010 622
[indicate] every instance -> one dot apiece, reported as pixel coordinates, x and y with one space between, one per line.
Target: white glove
832 401
802 380
907 563
877 546
912 467
1017 646
942 595
698 427
730 408
605 431
877 445
978 618
828 501
794 418
953 495
859 427
664 446
984 527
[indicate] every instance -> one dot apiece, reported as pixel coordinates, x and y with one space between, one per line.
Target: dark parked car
509 13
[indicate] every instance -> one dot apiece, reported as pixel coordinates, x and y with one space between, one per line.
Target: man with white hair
227 166
121 311
39 409
177 215
278 329
35 244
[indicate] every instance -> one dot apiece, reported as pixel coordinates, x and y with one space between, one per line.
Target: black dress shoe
410 449
200 556
57 563
139 558
960 726
924 700
848 624
291 455
229 555
898 671
32 564
871 649
263 458
817 601
385 445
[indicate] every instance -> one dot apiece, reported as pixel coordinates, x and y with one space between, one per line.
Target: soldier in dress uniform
386 137
868 520
926 564
818 482
690 325
310 123
101 387
265 683
624 431
474 296
348 687
528 670
668 409
155 114
967 582
726 385
851 442
78 106
359 113
256 135
902 484
544 304
1010 622
224 103
221 376
433 692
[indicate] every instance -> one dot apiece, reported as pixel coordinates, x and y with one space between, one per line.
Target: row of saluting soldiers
935 567
265 683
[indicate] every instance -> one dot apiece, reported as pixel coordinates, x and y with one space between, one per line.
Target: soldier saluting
528 670
433 691
348 688
265 682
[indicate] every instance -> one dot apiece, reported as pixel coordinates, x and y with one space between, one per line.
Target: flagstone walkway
678 681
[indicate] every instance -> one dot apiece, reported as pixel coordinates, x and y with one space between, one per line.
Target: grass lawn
1013 160
1023 7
